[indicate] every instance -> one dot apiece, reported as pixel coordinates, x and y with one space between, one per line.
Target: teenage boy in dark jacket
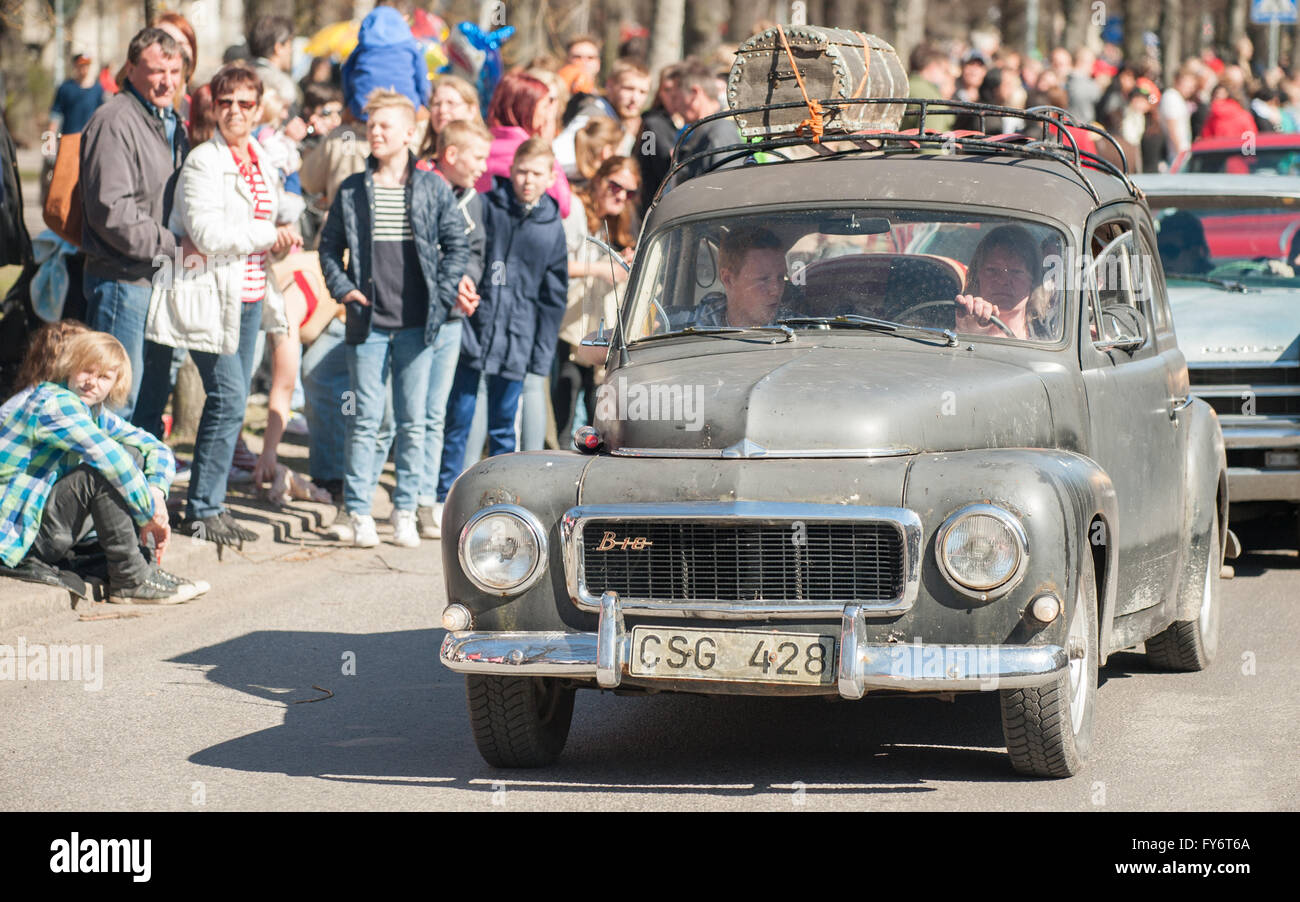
407 250
521 300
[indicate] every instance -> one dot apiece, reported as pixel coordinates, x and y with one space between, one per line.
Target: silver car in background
1230 247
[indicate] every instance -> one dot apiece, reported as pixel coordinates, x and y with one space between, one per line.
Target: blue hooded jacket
386 56
524 289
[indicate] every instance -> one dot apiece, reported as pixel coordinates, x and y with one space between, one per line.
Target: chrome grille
783 562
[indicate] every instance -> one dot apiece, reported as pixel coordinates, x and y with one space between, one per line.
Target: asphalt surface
213 705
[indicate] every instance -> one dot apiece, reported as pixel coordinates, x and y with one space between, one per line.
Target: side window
1149 285
1117 311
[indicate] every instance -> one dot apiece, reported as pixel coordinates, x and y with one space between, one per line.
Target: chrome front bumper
604 656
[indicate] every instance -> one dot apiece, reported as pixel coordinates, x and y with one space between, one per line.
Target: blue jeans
325 379
161 364
530 421
225 379
403 353
120 309
442 373
502 404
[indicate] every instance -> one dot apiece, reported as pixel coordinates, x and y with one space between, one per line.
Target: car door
1134 431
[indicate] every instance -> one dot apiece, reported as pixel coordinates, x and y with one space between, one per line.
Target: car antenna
613 281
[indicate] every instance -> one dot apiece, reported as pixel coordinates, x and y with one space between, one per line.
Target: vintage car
1231 252
813 472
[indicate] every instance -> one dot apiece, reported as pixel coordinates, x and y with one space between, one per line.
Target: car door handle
1177 405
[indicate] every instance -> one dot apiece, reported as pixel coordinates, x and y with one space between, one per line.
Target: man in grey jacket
130 151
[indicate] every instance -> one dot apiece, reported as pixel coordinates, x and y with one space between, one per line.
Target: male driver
753 274
130 151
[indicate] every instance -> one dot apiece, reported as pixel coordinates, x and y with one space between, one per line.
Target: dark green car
888 419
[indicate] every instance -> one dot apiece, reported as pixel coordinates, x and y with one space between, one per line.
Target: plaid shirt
48 436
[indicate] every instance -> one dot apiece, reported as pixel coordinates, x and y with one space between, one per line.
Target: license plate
740 656
1282 460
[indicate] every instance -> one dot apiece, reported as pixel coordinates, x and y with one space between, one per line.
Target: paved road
200 707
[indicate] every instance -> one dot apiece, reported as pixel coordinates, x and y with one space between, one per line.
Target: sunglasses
619 190
225 103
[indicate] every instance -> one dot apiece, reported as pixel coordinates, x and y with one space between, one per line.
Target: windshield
1229 238
1264 161
979 276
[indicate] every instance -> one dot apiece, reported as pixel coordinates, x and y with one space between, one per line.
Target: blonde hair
591 140
43 352
95 352
533 149
384 99
459 132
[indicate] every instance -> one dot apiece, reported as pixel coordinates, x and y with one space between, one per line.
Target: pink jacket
505 141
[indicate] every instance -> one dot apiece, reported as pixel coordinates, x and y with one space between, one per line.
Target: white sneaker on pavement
405 531
426 519
340 530
364 534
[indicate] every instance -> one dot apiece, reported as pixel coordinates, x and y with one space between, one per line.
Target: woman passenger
1005 281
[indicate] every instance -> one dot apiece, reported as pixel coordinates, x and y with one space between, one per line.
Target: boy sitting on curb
67 463
407 250
521 300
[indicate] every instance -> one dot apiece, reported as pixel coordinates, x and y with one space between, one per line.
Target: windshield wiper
786 333
1225 284
870 322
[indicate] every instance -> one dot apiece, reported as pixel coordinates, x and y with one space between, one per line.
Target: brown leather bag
63 204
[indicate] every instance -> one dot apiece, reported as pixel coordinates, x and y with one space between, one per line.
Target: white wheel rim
1207 597
1078 637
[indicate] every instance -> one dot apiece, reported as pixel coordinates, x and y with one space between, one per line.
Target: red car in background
1269 154
1243 217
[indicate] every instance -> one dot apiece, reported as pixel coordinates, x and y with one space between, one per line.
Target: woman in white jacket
233 215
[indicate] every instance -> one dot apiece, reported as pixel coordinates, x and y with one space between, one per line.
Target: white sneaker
405 532
364 534
340 530
428 522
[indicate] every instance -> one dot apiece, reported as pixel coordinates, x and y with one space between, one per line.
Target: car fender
1064 500
1206 487
546 483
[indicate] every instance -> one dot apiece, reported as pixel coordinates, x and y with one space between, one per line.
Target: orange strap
866 65
813 124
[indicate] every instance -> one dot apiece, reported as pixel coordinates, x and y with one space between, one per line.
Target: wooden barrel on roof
834 63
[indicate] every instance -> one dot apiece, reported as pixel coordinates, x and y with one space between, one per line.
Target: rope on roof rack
813 123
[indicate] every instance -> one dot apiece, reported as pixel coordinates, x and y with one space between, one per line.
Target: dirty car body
824 505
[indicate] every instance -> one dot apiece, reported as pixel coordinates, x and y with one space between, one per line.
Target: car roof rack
1060 146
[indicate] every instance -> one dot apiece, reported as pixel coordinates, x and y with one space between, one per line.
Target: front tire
519 721
1190 645
1048 729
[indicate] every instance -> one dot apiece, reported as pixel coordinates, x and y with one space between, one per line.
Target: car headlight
982 550
503 549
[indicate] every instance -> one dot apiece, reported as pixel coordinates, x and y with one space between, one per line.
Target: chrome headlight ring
532 527
1015 531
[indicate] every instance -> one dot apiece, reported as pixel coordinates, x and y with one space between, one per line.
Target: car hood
788 401
1216 326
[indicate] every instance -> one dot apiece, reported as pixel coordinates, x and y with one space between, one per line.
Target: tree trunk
187 401
704 28
909 27
666 33
1078 23
744 13
1015 24
843 14
1238 12
1171 37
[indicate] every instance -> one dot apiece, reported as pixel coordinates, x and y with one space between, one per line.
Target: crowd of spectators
417 275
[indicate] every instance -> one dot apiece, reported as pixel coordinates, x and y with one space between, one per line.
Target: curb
24 603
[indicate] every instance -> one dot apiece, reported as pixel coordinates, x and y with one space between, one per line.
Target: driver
753 274
1005 281
1182 245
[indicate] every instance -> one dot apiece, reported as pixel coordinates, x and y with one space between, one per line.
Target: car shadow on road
380 708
